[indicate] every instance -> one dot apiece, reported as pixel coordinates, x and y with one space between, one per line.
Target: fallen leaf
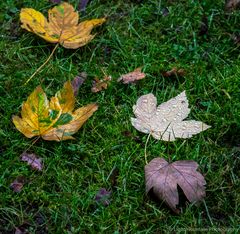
82 5
33 160
19 231
132 77
236 39
232 4
163 178
113 177
131 136
165 11
165 122
55 1
103 196
203 30
78 81
99 85
54 120
61 27
17 184
174 72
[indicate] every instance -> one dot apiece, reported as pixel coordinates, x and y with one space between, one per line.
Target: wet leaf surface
166 121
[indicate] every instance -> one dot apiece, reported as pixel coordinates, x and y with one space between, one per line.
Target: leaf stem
145 148
209 217
50 56
35 140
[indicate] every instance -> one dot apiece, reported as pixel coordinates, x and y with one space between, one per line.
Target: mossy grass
60 199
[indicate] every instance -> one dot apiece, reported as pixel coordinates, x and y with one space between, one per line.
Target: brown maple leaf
164 177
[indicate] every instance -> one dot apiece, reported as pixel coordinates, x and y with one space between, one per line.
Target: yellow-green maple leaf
54 120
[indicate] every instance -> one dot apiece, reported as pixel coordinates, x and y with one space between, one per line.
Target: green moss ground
60 199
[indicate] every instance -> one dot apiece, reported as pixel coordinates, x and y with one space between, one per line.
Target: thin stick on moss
50 56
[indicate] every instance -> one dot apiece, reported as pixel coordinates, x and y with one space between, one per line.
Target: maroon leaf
165 11
113 178
232 5
19 231
55 1
17 184
164 178
82 5
78 81
32 160
203 30
103 196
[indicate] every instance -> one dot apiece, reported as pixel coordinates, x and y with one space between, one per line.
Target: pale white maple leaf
166 121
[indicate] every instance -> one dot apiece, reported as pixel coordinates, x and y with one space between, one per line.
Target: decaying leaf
55 120
99 85
55 1
163 178
33 160
17 184
19 231
61 27
132 77
82 5
174 72
103 196
232 4
165 122
203 30
78 81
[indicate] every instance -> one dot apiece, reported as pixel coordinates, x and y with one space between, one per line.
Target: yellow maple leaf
55 120
61 27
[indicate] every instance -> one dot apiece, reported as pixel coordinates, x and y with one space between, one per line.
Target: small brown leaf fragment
174 72
165 11
232 5
164 177
103 196
33 160
82 5
132 77
236 39
113 177
131 136
17 184
55 1
78 81
203 29
20 231
99 85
